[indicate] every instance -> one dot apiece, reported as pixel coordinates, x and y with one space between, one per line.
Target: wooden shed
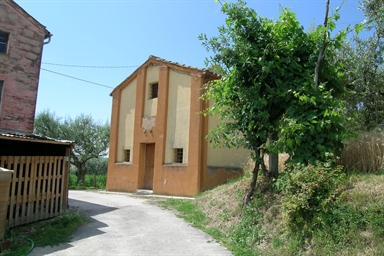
39 184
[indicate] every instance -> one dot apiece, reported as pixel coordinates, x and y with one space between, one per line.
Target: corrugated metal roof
32 137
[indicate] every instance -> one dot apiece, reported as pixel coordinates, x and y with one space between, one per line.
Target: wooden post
5 182
65 180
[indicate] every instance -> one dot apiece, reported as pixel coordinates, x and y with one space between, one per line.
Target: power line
172 1
77 78
84 66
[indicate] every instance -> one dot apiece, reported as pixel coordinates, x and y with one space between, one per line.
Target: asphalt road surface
125 224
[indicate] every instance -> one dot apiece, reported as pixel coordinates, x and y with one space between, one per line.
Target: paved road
125 224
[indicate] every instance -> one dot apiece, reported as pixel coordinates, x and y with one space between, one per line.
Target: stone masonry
19 67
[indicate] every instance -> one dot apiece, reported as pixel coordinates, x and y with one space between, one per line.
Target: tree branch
323 49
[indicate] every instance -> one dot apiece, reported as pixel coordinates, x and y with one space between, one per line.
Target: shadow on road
90 208
93 228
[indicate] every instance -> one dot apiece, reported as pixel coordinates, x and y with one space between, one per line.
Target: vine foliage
267 86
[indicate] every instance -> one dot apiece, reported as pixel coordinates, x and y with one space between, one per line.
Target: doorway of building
149 165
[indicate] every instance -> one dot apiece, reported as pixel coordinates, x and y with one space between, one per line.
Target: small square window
3 42
153 90
127 155
177 155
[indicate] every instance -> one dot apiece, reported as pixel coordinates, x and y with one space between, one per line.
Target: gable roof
19 9
154 60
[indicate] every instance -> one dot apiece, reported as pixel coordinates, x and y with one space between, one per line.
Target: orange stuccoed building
158 134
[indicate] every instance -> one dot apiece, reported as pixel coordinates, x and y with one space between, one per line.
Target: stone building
21 46
158 135
33 169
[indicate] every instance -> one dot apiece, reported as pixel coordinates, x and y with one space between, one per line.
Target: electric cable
86 81
87 66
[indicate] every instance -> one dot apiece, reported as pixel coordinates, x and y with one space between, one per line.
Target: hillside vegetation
354 225
314 211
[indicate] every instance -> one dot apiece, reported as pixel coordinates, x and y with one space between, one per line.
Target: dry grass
221 205
364 154
366 191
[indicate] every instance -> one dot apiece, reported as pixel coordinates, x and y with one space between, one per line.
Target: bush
96 176
308 192
101 182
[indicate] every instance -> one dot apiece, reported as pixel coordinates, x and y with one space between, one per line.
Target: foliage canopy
267 86
90 137
364 71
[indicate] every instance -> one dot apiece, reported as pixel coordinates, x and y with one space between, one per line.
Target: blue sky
125 32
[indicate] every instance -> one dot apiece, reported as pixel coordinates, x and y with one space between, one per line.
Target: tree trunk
255 174
273 158
80 174
323 48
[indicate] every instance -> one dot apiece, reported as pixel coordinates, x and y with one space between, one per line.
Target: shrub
101 181
307 193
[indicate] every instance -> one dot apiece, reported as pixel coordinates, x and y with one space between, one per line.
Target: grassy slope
354 227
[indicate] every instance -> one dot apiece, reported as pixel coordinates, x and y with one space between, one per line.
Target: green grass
191 213
20 240
101 181
354 225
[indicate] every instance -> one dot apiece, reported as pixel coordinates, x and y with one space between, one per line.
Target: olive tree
364 70
91 138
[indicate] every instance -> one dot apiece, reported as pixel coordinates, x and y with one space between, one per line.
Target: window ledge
123 163
175 165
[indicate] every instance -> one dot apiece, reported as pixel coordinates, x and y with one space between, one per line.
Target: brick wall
19 67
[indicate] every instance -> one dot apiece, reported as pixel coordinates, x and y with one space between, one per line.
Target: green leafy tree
374 11
364 71
269 70
365 82
90 137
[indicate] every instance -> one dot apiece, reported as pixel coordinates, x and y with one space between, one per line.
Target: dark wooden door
149 164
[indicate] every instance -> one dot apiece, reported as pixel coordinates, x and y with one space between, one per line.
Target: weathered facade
158 134
38 186
21 45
